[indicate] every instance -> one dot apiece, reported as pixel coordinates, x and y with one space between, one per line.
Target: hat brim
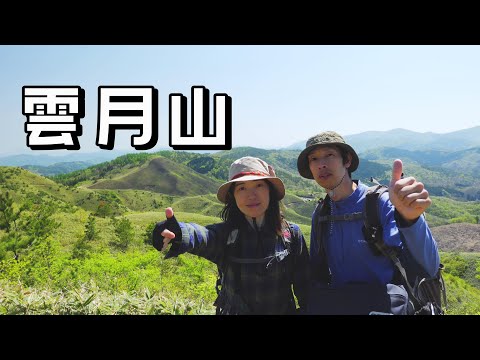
275 181
302 161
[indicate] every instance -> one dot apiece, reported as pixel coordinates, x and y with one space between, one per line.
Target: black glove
169 224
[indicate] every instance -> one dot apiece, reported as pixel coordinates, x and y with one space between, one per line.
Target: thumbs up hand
407 195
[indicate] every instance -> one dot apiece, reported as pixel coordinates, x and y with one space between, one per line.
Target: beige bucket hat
250 168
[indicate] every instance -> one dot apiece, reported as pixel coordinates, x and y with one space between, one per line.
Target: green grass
139 280
462 298
445 211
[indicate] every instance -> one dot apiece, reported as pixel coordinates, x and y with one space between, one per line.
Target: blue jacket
350 258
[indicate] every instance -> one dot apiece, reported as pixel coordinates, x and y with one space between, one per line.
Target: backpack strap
231 248
430 288
231 257
323 272
372 229
373 232
229 300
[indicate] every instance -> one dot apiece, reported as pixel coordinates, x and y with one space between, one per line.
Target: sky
280 94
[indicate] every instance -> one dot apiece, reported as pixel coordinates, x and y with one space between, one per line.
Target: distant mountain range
48 165
146 182
363 142
453 175
448 164
43 159
464 161
409 140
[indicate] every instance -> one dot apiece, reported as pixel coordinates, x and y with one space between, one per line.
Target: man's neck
346 188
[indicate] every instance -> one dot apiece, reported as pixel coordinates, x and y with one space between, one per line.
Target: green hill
446 174
216 165
161 175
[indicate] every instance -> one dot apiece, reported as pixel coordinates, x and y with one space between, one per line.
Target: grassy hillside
462 298
139 281
445 174
86 249
458 237
24 184
135 279
160 175
447 211
58 168
217 165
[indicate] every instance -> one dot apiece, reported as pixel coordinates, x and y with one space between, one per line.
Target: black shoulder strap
372 229
323 272
231 249
373 232
372 217
232 258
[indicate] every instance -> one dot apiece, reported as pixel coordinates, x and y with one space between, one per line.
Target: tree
8 221
8 216
81 248
147 235
104 209
42 259
90 229
124 232
38 225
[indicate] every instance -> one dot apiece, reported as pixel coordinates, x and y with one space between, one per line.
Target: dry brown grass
460 237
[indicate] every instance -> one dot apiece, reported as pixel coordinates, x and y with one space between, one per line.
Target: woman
259 253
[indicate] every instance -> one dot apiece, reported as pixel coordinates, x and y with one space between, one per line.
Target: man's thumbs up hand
407 195
397 171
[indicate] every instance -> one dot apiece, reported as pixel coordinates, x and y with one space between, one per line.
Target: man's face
326 165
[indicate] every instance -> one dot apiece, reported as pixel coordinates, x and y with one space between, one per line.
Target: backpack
231 302
424 293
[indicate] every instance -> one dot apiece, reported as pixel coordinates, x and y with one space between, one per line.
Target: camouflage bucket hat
324 138
250 168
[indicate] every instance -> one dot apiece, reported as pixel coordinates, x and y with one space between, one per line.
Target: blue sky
280 94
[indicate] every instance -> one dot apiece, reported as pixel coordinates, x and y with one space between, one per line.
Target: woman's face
252 197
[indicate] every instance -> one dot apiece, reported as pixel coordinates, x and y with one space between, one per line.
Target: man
349 276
